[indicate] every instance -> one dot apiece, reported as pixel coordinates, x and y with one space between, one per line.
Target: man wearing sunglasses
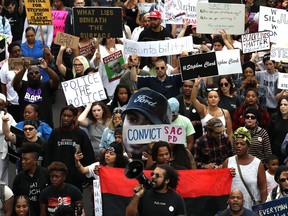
161 199
34 90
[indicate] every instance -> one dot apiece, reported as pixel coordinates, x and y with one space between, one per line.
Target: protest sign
2 49
38 12
59 18
176 10
144 134
277 207
97 197
279 53
16 63
95 22
67 40
214 17
226 1
255 41
113 64
5 40
283 81
272 19
210 64
145 7
158 48
83 90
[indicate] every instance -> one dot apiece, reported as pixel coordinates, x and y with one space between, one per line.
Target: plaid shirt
209 150
239 118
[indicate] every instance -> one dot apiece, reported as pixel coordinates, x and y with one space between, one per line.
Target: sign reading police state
147 133
98 22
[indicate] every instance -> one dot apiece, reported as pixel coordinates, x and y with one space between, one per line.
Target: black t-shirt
16 22
149 35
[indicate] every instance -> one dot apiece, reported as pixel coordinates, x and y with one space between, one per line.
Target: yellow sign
38 12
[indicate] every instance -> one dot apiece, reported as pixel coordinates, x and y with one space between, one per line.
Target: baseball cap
174 105
155 14
153 105
215 124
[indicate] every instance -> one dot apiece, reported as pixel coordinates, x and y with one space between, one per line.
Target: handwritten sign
279 53
159 48
147 133
59 18
255 41
17 63
83 90
94 22
277 207
38 12
272 19
176 10
283 81
210 64
67 40
214 17
145 7
97 197
5 40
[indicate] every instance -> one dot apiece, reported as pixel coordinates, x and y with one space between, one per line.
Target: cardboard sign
214 17
176 10
67 40
210 64
59 18
279 53
277 207
158 48
144 134
15 64
95 22
38 12
83 90
282 81
272 19
255 41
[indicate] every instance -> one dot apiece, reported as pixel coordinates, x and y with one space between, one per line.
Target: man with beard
36 91
236 203
162 198
64 141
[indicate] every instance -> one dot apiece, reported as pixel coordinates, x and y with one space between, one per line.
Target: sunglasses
158 68
28 129
250 117
224 84
157 175
31 73
283 180
212 89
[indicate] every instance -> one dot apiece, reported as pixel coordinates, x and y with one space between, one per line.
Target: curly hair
58 166
171 174
156 147
106 112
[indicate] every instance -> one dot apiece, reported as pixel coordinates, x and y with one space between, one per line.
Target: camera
34 62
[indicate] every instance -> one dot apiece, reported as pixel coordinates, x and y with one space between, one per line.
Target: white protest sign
145 7
144 134
228 62
158 48
279 53
272 19
283 81
97 197
83 90
176 10
255 41
214 17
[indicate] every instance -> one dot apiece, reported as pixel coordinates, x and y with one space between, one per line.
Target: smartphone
77 147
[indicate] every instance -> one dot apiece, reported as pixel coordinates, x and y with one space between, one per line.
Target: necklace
187 105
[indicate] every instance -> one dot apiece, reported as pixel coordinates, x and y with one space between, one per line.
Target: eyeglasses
250 117
28 129
31 73
212 89
224 84
77 65
157 175
283 180
158 68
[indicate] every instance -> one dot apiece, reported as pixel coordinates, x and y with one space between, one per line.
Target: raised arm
17 81
54 79
59 61
200 108
6 129
78 156
184 27
82 119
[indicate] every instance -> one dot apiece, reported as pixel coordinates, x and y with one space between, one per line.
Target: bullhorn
135 170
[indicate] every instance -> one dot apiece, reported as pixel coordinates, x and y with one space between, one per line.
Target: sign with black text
255 41
95 22
38 12
277 207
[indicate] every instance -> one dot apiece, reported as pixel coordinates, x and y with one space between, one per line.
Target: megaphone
135 170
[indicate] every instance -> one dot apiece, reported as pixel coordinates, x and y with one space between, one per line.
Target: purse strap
244 183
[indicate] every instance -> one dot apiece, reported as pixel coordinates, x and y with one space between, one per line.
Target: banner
272 19
15 64
145 7
113 64
59 18
83 90
210 64
277 207
158 48
283 81
279 52
214 17
38 12
144 134
96 22
67 40
205 192
255 41
177 10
